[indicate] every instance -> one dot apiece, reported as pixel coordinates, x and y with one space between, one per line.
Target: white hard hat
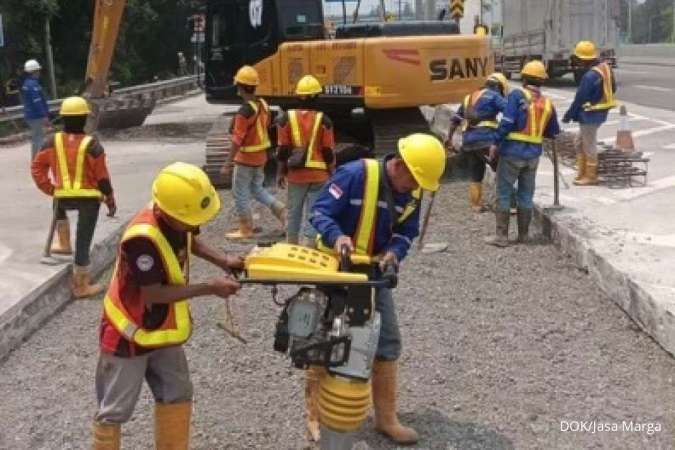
32 65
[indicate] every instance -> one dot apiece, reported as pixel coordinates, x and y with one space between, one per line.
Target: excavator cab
242 32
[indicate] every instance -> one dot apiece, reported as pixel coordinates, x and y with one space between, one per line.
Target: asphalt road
644 84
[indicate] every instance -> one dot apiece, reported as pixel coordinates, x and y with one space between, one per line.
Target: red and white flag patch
335 191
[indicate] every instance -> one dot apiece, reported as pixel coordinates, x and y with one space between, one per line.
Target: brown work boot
384 401
524 219
279 211
312 379
476 197
172 425
581 166
591 176
501 239
245 230
107 436
81 286
61 241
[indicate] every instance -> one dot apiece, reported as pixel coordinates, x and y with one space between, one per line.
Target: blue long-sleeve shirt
515 118
590 91
34 101
488 106
337 210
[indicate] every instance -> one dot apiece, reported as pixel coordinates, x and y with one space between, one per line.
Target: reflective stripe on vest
296 136
538 114
470 101
70 189
177 327
363 238
260 128
607 101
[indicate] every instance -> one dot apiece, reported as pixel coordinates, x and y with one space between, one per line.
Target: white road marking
653 88
663 240
669 147
633 72
667 126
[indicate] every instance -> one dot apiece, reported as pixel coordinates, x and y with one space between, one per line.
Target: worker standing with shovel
79 181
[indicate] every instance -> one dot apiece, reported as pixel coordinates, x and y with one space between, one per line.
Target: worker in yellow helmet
146 315
305 153
477 117
372 208
529 117
248 155
591 105
79 181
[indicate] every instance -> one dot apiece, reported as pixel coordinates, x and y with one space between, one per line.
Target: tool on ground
330 322
434 247
556 177
47 257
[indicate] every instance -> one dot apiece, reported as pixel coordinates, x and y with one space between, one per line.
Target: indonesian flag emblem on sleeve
335 191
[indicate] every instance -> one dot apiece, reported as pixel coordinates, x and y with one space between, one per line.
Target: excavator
376 75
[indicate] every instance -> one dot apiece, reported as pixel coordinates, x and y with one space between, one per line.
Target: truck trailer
549 30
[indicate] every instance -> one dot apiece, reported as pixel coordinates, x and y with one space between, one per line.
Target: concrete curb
648 313
19 322
645 310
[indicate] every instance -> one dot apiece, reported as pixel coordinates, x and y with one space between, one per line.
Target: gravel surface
500 346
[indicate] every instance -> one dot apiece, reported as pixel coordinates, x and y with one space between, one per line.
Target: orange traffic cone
624 136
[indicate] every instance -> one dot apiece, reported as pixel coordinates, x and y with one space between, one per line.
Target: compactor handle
390 274
345 259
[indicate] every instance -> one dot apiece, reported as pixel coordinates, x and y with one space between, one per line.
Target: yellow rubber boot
81 284
172 425
476 196
106 436
245 230
61 242
581 166
313 376
384 400
591 176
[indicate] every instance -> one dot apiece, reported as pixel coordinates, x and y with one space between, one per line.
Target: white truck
549 29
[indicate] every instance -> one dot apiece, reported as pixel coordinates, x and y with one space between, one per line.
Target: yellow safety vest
296 136
471 100
607 101
363 237
177 328
261 130
72 189
538 114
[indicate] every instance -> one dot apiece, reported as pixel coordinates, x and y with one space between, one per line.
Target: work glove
109 201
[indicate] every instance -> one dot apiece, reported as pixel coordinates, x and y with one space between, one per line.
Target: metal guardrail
156 91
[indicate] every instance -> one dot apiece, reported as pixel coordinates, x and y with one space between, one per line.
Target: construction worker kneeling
306 156
248 155
477 116
591 105
372 208
79 181
529 117
146 315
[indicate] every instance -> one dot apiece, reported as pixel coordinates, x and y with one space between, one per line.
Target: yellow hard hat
308 85
247 75
501 79
184 192
535 69
74 106
585 50
424 156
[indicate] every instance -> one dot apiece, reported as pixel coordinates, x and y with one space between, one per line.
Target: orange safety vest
538 114
72 188
607 101
470 101
261 141
177 327
364 235
314 159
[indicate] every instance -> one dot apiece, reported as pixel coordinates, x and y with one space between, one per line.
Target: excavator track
389 126
218 144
